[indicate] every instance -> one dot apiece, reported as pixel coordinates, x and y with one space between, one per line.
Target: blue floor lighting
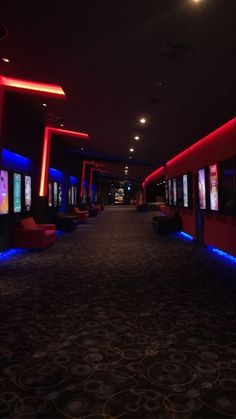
223 254
185 235
8 254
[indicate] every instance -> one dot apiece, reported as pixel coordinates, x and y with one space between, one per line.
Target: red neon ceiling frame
48 131
94 169
89 163
32 87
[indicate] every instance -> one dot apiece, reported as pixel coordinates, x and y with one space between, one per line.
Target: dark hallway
116 321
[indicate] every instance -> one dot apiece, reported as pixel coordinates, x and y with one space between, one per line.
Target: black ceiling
172 61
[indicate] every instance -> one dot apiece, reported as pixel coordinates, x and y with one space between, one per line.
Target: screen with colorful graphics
202 188
28 193
185 191
174 192
17 192
4 195
213 186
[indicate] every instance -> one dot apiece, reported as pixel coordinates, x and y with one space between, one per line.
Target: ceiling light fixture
61 125
44 104
6 60
130 157
142 120
131 150
137 137
126 167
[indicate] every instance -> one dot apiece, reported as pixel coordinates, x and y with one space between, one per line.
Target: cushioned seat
30 235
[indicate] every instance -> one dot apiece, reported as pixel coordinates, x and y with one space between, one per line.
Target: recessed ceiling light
131 150
137 137
142 121
82 148
61 125
130 157
44 104
6 60
126 167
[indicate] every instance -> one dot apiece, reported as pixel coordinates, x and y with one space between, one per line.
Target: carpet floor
114 321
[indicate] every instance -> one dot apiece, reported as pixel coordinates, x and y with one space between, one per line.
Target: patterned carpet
114 321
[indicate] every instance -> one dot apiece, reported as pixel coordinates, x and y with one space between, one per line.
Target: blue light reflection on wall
73 180
223 254
16 162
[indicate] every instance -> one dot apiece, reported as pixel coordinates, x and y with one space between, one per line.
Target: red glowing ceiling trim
154 175
48 131
210 138
90 163
48 89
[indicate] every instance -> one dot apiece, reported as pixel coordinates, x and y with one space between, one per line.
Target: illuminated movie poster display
174 192
4 199
170 192
202 188
27 193
213 183
119 196
50 194
55 190
59 194
17 192
185 190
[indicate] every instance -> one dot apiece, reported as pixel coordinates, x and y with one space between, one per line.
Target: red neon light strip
209 138
45 162
154 175
91 163
46 153
52 89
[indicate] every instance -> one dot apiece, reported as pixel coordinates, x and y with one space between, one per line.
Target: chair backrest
28 223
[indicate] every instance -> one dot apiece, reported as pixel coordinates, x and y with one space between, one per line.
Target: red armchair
82 215
30 235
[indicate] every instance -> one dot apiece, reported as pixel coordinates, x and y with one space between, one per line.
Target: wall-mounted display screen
28 193
185 191
202 188
228 187
50 193
174 191
59 194
4 195
55 192
179 190
17 192
213 186
119 196
170 191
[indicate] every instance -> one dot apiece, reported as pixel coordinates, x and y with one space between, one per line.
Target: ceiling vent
176 51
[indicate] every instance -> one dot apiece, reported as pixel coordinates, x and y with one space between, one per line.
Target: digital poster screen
174 192
170 191
4 195
55 192
17 192
28 193
50 194
185 191
59 194
202 188
213 185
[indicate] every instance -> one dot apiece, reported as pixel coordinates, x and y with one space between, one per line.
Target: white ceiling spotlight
142 121
6 60
131 150
137 137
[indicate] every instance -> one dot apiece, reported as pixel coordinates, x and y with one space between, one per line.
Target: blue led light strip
185 235
222 253
8 254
